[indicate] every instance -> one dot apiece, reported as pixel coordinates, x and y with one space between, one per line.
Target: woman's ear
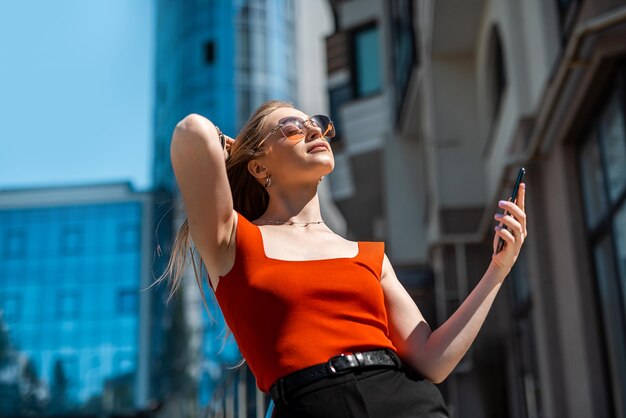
257 169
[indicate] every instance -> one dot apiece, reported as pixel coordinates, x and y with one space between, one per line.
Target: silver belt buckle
329 364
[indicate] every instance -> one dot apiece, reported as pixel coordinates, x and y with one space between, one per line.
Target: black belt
338 365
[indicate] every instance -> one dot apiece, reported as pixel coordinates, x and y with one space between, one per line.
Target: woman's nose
312 131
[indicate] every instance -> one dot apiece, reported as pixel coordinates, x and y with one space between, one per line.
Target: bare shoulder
387 272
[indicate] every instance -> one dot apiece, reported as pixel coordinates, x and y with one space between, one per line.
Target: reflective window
69 307
67 304
614 322
367 61
613 141
619 232
11 307
602 163
594 193
404 57
337 97
128 236
127 301
71 240
14 243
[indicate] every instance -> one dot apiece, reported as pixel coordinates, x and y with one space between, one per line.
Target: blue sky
76 91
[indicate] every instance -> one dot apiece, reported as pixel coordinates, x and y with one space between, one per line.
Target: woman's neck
299 206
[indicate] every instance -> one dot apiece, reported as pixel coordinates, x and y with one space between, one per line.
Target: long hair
250 198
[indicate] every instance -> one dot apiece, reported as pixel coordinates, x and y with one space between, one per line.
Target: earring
268 181
321 178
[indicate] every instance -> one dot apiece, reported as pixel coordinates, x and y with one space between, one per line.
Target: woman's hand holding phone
511 231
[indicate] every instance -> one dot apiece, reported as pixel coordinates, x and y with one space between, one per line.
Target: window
602 171
209 52
123 362
11 307
67 304
72 240
404 56
567 12
127 301
15 243
337 97
366 61
496 72
65 375
522 339
128 237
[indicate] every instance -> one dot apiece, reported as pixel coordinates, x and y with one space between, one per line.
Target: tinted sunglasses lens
325 124
292 128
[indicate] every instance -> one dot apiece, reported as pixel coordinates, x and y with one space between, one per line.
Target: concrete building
494 86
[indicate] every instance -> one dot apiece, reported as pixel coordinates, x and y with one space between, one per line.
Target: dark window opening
497 72
209 52
337 97
403 51
567 12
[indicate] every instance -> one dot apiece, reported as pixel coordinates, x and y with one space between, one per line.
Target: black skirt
376 393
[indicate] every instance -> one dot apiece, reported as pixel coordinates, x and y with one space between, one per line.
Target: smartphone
520 175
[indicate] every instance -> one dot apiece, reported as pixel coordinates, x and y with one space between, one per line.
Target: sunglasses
294 128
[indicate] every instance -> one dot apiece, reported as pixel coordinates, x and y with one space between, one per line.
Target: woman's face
302 160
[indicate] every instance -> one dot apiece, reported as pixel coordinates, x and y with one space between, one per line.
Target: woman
323 322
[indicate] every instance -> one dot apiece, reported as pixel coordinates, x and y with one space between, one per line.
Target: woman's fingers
512 208
505 235
511 223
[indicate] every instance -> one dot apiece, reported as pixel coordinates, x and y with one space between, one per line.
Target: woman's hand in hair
229 143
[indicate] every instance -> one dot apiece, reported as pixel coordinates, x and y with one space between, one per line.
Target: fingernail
502 203
498 215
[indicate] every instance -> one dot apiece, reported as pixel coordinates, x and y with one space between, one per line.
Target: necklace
302 224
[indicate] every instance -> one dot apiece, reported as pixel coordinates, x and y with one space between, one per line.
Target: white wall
314 22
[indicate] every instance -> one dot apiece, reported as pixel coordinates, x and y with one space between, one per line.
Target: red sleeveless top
288 315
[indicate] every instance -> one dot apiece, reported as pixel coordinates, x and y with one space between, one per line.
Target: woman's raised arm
200 170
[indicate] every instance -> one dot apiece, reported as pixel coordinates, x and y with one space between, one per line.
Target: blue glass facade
70 277
220 59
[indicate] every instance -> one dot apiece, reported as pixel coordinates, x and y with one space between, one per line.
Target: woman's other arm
200 169
436 353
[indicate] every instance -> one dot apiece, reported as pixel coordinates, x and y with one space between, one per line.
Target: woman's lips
319 148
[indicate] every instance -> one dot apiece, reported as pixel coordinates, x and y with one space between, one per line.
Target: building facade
221 60
74 322
489 87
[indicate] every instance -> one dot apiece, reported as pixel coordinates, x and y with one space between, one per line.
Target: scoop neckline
260 235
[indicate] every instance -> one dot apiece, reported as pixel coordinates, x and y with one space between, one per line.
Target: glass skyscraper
220 59
74 336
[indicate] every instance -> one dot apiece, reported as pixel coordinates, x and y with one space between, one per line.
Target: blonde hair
250 198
